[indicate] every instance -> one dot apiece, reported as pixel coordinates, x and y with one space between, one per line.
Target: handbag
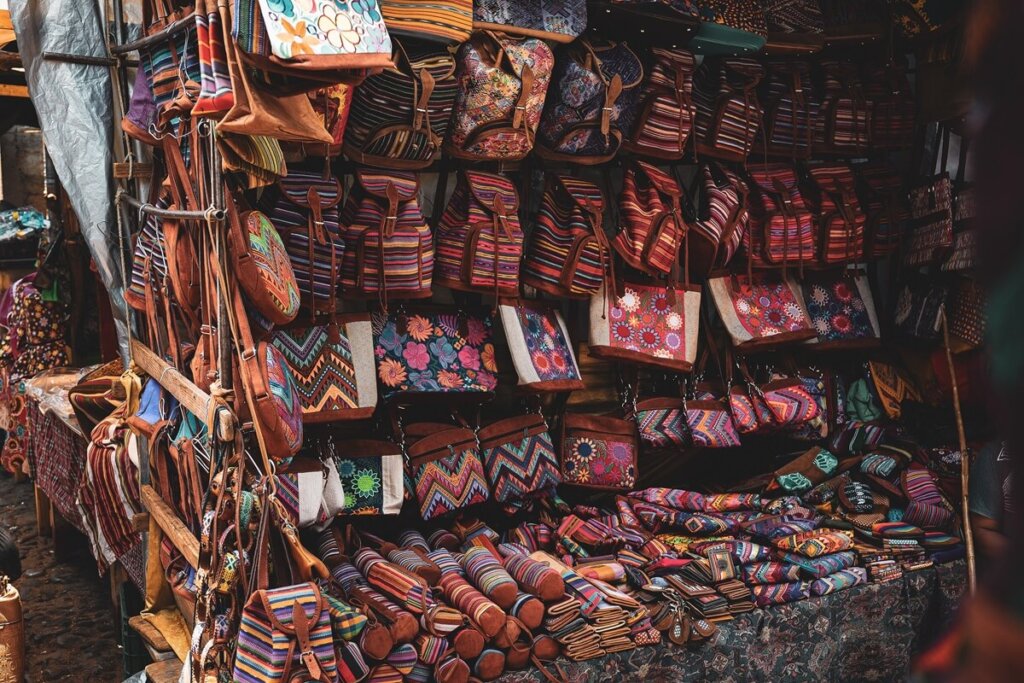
519 459
651 225
310 491
479 238
539 343
833 201
781 228
262 267
444 468
893 113
844 126
371 474
931 211
139 121
795 26
400 116
661 423
215 94
790 107
964 254
728 110
389 252
333 104
966 312
502 84
171 66
303 206
557 20
763 310
648 324
841 309
569 253
721 223
665 108
709 419
333 368
448 22
598 452
434 351
592 102
885 205
919 309
730 27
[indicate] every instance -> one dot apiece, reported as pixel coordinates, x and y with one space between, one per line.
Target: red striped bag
569 253
844 124
389 252
721 224
651 225
479 239
833 199
790 106
885 205
665 121
893 111
728 109
781 227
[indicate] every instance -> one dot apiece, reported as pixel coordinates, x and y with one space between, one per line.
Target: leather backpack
666 108
651 225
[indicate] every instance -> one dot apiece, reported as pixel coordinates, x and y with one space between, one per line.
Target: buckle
520 107
421 110
249 354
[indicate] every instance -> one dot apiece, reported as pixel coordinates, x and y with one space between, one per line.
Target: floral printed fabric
324 27
645 320
767 308
362 481
549 350
837 310
592 461
428 352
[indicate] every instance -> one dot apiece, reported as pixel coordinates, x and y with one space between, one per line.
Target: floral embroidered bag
539 343
841 308
371 474
557 20
761 310
599 452
434 351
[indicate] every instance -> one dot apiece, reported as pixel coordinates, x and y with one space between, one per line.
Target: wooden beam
173 528
8 90
194 399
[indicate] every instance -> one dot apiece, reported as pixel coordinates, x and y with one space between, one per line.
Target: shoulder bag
444 467
519 458
841 309
262 266
762 310
556 20
371 474
541 348
666 108
599 452
832 198
728 110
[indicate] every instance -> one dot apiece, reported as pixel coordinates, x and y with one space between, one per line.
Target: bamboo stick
965 461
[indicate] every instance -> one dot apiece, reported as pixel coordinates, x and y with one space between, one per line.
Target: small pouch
599 452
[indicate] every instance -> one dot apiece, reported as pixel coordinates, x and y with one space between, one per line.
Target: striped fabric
815 543
920 486
651 226
430 649
346 622
413 540
780 593
841 580
769 572
446 562
389 249
817 567
489 576
885 203
532 576
928 516
446 21
728 111
267 634
744 552
725 225
676 498
779 527
893 113
148 258
215 94
169 65
479 239
569 253
790 108
486 615
781 227
400 116
406 588
845 123
666 105
840 219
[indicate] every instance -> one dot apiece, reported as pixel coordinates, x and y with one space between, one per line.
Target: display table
866 633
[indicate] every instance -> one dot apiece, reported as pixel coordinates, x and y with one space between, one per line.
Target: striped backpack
892 107
781 227
479 239
832 197
666 109
502 83
844 124
388 247
885 202
303 206
728 109
790 108
721 222
651 225
400 116
569 253
592 103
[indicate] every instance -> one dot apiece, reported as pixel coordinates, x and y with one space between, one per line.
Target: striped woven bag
215 94
651 225
728 109
845 122
841 221
569 253
479 239
721 223
666 108
790 105
781 226
893 110
389 250
400 116
441 21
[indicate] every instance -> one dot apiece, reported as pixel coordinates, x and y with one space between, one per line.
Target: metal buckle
249 353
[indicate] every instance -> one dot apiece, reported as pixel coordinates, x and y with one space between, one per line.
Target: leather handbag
790 107
333 104
479 238
371 473
519 459
652 325
721 224
730 27
728 109
844 124
444 468
885 204
651 225
665 109
389 252
832 198
794 26
781 229
599 452
303 206
448 22
762 310
591 103
431 350
539 343
557 20
400 116
841 309
333 368
569 253
262 266
893 113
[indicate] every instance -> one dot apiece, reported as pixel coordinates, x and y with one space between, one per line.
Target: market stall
553 340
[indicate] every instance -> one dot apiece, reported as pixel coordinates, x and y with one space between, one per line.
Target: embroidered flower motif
549 326
584 449
338 28
620 453
443 351
420 328
366 483
367 8
841 324
346 468
742 306
673 341
488 381
842 292
660 304
469 357
674 321
476 333
822 327
391 372
649 337
630 301
416 356
560 362
295 37
794 312
617 314
541 363
819 295
488 359
389 339
622 332
449 380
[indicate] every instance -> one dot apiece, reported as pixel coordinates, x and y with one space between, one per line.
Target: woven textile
450 483
674 498
790 107
666 105
815 543
779 593
841 580
662 427
817 567
781 526
486 572
769 572
781 226
519 460
879 464
920 486
812 468
744 552
730 502
928 516
405 587
897 530
840 219
728 110
57 460
450 21
885 203
215 95
840 306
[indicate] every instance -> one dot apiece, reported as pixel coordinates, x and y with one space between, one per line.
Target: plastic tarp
74 105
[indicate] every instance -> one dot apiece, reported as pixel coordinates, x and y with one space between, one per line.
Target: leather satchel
262 266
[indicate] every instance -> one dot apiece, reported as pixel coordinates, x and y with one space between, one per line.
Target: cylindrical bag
12 633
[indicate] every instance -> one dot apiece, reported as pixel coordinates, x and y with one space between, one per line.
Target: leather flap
376 184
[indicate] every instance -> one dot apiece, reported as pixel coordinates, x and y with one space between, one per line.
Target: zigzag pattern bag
445 468
519 458
661 423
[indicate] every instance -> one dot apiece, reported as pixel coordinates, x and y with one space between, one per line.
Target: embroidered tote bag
371 474
445 468
333 368
519 458
557 20
599 452
647 324
721 223
434 351
666 109
651 226
765 310
541 349
841 308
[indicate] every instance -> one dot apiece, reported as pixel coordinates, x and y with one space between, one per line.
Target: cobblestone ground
69 622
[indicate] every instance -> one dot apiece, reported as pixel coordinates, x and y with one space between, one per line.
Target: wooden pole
965 461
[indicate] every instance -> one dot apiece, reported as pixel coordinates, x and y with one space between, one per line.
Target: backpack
388 247
479 239
781 227
721 223
666 109
893 111
400 116
592 102
502 83
651 225
569 253
885 204
728 109
844 123
833 199
790 107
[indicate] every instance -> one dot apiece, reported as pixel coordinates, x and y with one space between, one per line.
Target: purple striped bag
389 252
728 110
479 239
666 110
